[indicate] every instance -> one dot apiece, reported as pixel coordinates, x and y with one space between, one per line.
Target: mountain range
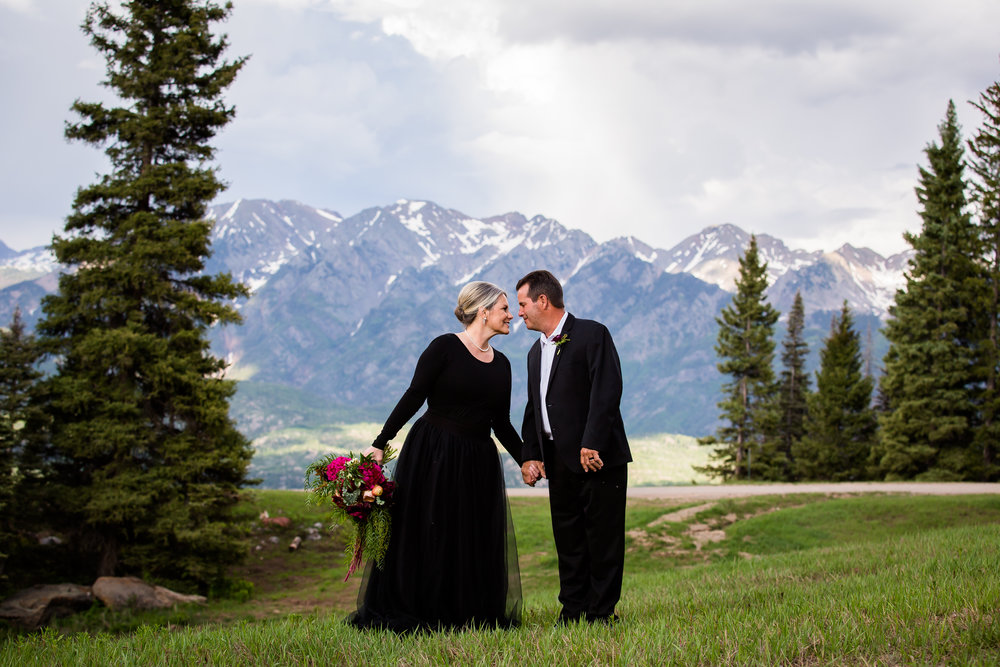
342 306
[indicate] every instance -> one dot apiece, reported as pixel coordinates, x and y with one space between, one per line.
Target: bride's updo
476 295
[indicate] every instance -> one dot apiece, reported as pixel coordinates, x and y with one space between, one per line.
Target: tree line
122 457
934 411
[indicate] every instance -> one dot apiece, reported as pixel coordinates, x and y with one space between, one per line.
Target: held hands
532 471
375 453
590 459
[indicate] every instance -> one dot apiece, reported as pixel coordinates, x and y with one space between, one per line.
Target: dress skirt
452 558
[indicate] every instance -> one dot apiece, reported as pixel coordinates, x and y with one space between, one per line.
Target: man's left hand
590 459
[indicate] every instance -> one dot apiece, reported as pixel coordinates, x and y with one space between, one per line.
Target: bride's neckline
458 336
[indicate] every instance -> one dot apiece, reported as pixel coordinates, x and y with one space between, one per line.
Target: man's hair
542 282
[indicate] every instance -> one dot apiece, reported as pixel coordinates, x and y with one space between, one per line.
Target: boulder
32 607
134 593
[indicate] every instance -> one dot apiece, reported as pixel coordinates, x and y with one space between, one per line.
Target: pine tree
23 435
931 378
794 387
746 347
840 424
154 462
984 149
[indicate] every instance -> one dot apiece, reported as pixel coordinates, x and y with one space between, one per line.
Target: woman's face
499 316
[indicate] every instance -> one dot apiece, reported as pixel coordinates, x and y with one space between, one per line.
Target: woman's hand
532 471
375 453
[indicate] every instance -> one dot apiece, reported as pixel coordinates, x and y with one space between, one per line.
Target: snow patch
326 214
232 210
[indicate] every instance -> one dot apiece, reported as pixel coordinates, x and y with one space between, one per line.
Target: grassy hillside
281 456
798 579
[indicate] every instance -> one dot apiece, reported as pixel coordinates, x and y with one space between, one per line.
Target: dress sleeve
500 422
429 367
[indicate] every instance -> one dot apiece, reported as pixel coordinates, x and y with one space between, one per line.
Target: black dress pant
588 522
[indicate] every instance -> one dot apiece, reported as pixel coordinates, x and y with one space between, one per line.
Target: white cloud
803 120
18 5
789 118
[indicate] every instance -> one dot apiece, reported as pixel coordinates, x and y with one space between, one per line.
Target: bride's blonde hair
476 295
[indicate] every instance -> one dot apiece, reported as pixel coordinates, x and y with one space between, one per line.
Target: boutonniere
559 341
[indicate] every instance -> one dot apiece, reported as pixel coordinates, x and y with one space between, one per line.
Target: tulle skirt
452 558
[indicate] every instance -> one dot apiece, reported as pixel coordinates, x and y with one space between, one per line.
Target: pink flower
371 474
335 467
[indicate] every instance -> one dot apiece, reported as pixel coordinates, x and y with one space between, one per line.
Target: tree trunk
108 562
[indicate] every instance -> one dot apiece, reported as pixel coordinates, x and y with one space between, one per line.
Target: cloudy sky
651 118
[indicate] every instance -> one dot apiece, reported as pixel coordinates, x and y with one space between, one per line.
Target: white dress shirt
548 355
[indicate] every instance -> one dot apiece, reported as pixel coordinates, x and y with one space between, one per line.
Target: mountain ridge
342 306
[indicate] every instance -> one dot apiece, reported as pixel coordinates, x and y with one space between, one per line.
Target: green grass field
796 580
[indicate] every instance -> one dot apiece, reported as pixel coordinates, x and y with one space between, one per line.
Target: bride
452 558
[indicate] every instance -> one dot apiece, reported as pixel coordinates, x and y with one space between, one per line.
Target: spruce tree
840 423
23 436
141 408
984 150
793 389
931 377
746 347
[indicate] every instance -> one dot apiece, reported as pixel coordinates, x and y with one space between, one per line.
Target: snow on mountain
866 279
254 238
713 255
34 264
40 260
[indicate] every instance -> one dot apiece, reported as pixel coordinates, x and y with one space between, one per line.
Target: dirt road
717 491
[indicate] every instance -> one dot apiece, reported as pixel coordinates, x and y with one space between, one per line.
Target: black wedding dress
452 559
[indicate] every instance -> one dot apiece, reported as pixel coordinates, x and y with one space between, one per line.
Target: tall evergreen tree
794 386
746 347
931 378
840 424
23 435
140 404
984 150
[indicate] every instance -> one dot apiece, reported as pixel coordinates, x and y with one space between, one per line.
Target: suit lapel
555 360
534 368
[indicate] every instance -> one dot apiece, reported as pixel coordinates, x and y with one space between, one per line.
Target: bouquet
361 496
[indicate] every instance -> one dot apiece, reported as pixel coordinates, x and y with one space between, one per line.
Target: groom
574 436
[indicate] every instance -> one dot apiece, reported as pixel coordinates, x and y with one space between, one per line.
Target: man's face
529 310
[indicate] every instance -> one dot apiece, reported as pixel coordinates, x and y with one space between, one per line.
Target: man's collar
547 340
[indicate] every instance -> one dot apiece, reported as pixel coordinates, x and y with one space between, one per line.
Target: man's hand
375 453
590 459
532 471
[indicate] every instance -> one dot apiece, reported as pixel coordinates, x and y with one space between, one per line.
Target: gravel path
717 491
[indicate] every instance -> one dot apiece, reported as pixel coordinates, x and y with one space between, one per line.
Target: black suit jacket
583 398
